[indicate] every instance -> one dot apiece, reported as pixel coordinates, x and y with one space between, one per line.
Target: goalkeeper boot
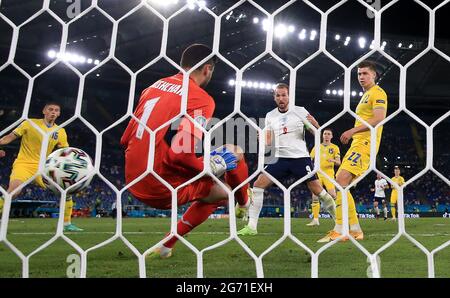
313 223
331 236
72 228
161 252
241 211
247 231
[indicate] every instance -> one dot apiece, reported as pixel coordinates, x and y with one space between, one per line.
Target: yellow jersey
30 145
399 180
373 98
327 152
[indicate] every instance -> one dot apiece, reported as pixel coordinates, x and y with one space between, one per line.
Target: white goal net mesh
376 47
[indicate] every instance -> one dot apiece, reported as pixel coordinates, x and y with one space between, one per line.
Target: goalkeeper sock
393 210
68 212
195 215
235 177
328 203
255 209
315 206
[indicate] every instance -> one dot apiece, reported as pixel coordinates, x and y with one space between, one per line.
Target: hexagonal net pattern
207 142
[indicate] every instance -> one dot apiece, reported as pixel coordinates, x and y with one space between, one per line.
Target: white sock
355 227
338 228
328 203
377 210
255 209
385 211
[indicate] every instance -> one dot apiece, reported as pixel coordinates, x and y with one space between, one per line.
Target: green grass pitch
402 259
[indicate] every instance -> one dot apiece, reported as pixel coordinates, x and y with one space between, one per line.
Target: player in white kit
286 127
380 197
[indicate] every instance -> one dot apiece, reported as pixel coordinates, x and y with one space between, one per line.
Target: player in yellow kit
394 194
27 162
329 157
372 108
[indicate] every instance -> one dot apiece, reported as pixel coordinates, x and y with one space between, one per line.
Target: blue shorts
291 168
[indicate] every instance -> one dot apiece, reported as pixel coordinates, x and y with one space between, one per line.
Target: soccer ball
67 166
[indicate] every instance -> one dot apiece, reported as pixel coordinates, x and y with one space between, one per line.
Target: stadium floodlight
400 45
191 4
302 34
291 28
250 84
328 92
82 59
96 62
255 20
89 61
341 92
274 86
337 37
262 85
280 31
410 46
313 35
38 65
231 82
201 4
362 42
243 83
361 93
347 41
353 93
265 24
51 54
334 92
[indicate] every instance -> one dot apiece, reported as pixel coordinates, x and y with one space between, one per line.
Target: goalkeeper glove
222 161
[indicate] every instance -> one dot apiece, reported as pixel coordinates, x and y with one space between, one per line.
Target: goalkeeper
177 163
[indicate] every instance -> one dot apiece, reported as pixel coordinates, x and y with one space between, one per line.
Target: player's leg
344 178
375 207
19 174
261 183
315 206
385 211
393 205
235 177
327 200
196 214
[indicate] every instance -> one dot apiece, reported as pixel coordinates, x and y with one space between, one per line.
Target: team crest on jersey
55 135
331 151
201 120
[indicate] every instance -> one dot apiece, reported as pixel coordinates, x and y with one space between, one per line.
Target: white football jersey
379 187
289 132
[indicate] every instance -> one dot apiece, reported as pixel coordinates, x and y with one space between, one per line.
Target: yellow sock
68 211
315 206
393 210
352 216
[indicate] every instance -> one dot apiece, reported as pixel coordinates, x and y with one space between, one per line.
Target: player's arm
337 160
379 114
269 137
314 123
8 138
5 141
